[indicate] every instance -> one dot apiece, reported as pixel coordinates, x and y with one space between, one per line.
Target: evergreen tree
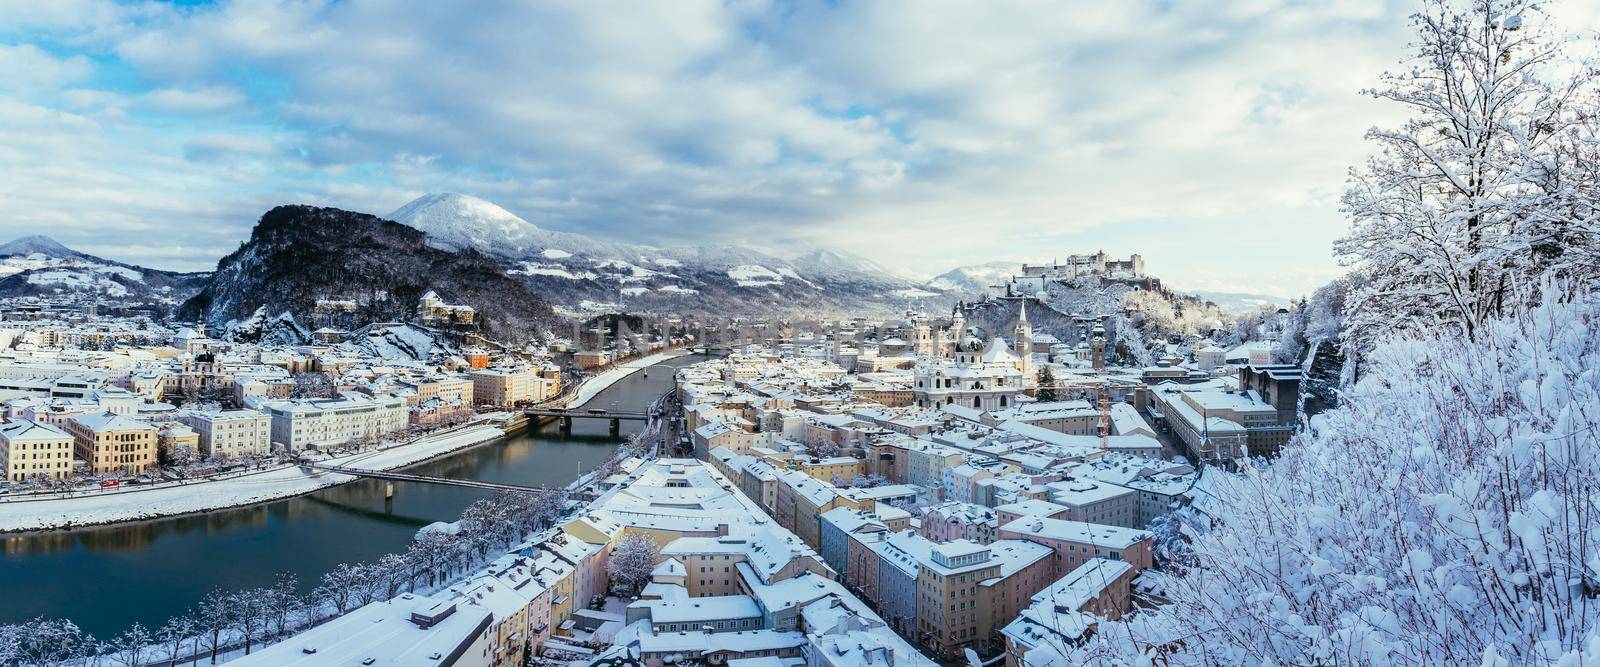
1047 385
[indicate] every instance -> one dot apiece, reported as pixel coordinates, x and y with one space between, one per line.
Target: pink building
953 520
1076 543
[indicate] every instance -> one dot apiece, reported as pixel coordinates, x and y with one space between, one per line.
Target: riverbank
59 513
171 500
593 386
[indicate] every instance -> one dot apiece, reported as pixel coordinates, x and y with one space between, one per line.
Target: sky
1213 138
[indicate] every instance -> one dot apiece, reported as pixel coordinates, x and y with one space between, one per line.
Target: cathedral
955 367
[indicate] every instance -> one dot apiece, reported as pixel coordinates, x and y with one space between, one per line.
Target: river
108 578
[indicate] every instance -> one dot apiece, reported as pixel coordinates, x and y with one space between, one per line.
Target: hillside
298 255
38 266
975 279
588 275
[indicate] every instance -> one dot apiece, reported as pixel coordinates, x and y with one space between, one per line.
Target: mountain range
38 266
588 274
446 241
345 269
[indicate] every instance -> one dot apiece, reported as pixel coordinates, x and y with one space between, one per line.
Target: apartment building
111 443
1091 501
1076 543
802 498
30 450
231 434
440 397
509 386
948 616
313 423
843 468
1218 424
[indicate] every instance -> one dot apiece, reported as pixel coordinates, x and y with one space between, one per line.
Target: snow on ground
787 272
598 383
126 273
14 265
634 272
634 291
754 275
552 253
78 280
914 293
667 262
556 270
249 488
677 289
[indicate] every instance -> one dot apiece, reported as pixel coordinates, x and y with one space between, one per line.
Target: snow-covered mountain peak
455 220
974 279
37 244
838 264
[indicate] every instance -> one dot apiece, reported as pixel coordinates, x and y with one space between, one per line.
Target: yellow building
948 615
175 436
112 443
31 450
509 386
802 498
843 468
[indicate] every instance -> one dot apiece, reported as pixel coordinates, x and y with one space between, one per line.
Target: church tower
1023 341
958 326
921 336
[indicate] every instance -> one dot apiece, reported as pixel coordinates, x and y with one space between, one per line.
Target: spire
1022 315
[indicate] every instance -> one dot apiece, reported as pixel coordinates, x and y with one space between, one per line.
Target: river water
105 579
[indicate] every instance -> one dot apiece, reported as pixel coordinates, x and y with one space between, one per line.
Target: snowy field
274 484
600 382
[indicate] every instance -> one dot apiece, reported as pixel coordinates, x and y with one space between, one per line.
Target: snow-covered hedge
1445 514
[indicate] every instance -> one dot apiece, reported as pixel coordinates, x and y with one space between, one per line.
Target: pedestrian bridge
429 479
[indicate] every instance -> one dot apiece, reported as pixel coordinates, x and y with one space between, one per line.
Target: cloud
210 99
923 135
25 68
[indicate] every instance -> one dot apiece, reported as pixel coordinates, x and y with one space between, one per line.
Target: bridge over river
107 577
566 415
396 476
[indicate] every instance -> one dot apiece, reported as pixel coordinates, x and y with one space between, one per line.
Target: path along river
107 578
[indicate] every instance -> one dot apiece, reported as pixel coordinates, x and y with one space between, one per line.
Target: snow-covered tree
547 507
46 643
392 570
182 456
215 616
1326 308
632 561
339 585
132 646
173 634
1490 184
826 449
1125 340
313 385
868 481
1443 515
252 609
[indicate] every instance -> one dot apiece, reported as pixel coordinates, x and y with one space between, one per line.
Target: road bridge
566 416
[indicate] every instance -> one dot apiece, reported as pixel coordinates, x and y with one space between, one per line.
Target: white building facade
299 424
232 433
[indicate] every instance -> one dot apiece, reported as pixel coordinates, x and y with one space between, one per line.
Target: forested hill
297 255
